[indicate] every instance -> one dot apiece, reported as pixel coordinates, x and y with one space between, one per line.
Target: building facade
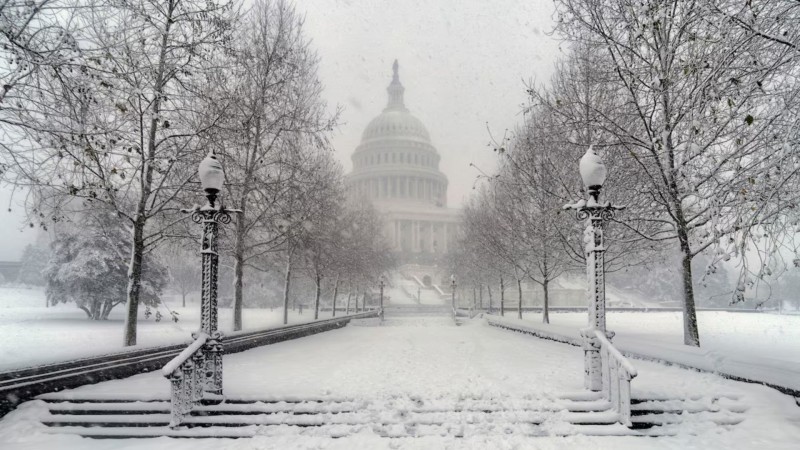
396 167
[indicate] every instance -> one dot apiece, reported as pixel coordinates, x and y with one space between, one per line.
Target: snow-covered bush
34 261
89 266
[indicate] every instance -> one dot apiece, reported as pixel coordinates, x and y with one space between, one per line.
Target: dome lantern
396 91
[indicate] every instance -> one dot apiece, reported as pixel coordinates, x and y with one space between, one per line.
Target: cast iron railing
192 374
617 373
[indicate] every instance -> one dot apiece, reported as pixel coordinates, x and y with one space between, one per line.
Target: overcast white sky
463 64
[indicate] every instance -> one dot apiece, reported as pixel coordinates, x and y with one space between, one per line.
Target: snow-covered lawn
32 334
434 362
754 345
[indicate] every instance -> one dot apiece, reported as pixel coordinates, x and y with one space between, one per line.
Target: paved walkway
433 360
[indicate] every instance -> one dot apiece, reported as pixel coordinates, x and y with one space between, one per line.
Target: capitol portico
396 167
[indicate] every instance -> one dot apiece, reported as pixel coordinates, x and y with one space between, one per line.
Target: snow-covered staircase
401 416
666 413
441 310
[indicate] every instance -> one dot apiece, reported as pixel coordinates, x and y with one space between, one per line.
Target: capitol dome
396 168
396 161
396 123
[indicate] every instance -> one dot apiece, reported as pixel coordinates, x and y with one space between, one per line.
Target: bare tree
273 79
184 272
707 132
118 126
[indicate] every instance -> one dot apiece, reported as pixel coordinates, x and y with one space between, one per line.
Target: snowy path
433 360
417 356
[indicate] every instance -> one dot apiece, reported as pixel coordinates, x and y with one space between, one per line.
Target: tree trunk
546 306
238 272
286 286
183 294
502 298
86 310
347 305
318 279
489 290
94 310
480 295
519 308
135 277
108 305
335 293
691 334
474 296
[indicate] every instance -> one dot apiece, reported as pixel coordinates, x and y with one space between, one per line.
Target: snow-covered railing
617 371
617 375
439 290
186 374
467 312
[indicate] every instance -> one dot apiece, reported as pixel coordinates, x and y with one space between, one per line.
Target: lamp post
453 291
382 284
593 173
210 215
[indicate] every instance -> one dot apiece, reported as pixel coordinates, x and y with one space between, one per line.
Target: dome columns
421 236
414 187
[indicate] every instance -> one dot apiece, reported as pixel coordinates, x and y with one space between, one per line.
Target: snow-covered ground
431 360
32 334
759 346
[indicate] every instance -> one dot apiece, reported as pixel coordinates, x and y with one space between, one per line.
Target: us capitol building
396 167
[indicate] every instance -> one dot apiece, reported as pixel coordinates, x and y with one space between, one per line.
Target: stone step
580 413
344 418
389 431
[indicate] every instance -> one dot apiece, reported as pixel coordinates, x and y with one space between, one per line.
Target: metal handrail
617 374
184 356
187 377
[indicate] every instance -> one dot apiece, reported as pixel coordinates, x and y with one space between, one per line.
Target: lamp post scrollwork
596 214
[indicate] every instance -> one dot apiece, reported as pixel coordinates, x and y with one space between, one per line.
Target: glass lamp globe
211 174
593 171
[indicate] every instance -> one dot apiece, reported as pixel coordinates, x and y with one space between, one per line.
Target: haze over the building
464 66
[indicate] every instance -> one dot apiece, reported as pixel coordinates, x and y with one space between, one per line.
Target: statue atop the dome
395 90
